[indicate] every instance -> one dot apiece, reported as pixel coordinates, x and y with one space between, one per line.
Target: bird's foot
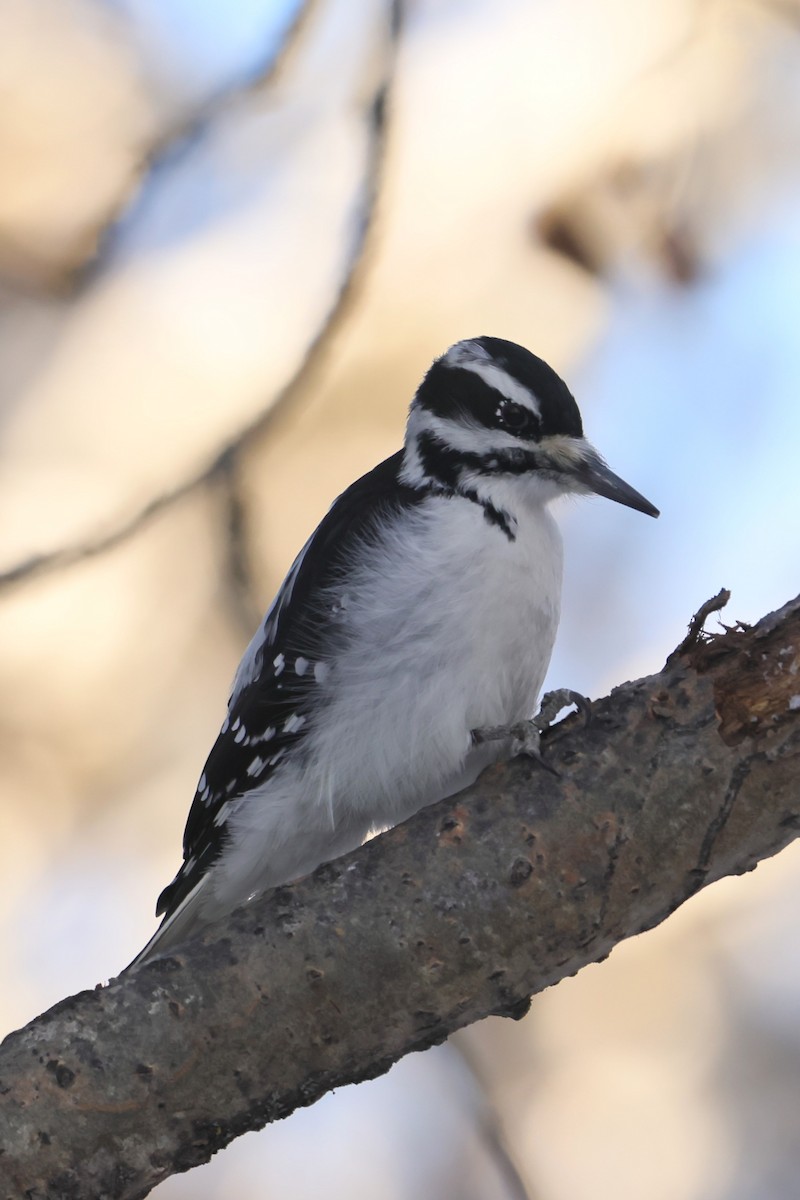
527 735
553 702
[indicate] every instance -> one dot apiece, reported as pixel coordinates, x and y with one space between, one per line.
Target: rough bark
466 910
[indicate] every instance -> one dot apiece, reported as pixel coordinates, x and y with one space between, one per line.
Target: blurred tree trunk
464 911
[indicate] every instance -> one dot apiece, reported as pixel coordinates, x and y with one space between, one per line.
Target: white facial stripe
505 384
471 357
465 436
412 473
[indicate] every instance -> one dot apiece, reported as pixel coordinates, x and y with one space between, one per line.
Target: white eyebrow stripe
495 377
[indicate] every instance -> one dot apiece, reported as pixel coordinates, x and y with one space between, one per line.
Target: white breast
451 628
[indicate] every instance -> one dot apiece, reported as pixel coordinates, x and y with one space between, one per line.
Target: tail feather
177 927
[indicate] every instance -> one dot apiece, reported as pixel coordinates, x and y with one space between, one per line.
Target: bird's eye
513 417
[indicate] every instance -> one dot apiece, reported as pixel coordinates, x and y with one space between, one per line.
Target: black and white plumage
423 608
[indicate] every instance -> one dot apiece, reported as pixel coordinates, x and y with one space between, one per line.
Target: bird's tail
177 927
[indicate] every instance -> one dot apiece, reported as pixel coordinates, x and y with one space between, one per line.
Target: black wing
270 710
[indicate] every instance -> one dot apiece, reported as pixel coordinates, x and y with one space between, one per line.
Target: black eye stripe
458 394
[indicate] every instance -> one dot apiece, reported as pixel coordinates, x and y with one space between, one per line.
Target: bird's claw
527 735
553 702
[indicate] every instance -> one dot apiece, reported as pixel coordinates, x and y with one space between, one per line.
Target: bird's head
488 410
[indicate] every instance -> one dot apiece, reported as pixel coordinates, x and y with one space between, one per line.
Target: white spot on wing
301 666
240 735
293 723
279 662
221 816
251 665
255 766
321 671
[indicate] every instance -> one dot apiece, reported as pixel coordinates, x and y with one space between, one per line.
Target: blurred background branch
365 192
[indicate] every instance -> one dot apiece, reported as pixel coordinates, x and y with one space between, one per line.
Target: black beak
596 477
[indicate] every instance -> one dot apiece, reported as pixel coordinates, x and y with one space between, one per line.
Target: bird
420 613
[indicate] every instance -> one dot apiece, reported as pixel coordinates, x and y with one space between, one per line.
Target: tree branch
463 911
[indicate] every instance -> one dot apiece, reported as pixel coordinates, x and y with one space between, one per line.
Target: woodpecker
421 612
